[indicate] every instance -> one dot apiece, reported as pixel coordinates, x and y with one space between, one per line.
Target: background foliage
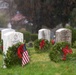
34 37
73 17
29 36
46 12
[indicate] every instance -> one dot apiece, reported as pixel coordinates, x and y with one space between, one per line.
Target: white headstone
44 34
11 38
4 31
63 35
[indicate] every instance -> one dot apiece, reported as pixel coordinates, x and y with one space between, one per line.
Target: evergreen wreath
57 53
42 45
11 58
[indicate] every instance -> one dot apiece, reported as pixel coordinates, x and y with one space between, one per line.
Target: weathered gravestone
11 38
63 35
4 31
44 34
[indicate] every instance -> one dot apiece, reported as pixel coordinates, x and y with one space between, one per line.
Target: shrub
74 45
11 58
27 36
73 35
3 20
56 53
73 17
34 37
42 45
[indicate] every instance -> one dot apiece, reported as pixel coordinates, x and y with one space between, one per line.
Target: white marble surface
10 39
4 31
61 29
44 34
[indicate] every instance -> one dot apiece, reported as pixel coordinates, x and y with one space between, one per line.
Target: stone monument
63 35
10 39
4 31
44 34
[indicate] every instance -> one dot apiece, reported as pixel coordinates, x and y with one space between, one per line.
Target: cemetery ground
40 64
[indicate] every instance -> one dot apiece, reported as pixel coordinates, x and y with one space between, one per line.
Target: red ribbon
20 51
42 43
66 51
53 42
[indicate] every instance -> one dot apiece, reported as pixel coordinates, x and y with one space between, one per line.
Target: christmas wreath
60 51
42 45
14 55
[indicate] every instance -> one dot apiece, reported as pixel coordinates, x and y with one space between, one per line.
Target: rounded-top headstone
4 31
11 38
63 35
44 34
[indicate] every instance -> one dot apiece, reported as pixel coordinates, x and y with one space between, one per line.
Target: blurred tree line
46 12
7 12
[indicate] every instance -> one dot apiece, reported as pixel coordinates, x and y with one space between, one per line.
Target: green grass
40 64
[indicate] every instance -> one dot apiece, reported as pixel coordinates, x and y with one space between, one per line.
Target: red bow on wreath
53 42
20 51
66 51
42 43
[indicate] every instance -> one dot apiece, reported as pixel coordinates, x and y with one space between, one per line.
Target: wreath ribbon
20 51
42 43
66 50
